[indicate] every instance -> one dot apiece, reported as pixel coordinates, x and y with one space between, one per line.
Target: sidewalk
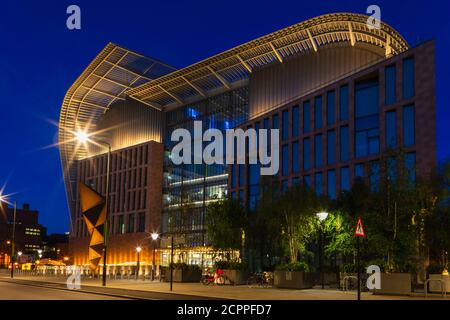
224 292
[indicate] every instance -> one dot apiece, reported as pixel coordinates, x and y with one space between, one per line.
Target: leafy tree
225 222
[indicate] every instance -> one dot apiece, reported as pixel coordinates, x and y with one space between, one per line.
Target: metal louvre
236 64
103 82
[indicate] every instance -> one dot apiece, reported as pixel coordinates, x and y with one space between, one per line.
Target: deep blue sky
40 58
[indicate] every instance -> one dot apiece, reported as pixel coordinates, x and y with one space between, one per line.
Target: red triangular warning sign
359 231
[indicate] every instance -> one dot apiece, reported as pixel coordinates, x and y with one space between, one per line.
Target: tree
225 222
297 208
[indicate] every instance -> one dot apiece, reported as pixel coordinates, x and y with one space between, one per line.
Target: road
15 291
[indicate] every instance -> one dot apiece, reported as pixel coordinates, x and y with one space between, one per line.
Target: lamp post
155 237
321 216
83 137
19 253
138 265
3 199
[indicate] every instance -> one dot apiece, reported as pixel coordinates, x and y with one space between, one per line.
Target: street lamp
155 236
138 266
4 199
39 253
322 216
84 137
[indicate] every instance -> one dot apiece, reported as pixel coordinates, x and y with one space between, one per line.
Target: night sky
40 59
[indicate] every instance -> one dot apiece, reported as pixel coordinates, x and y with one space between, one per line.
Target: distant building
28 235
56 246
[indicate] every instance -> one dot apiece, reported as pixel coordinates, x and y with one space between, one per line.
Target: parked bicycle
218 277
260 279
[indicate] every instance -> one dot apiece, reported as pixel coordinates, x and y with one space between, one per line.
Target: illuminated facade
294 78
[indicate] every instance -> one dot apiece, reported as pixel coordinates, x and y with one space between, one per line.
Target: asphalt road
15 291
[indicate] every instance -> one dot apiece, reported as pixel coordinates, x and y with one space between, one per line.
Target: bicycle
218 278
261 279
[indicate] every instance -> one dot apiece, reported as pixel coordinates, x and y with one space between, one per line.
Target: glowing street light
84 137
322 216
4 199
154 236
138 266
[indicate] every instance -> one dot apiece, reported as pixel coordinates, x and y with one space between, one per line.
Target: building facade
28 232
341 93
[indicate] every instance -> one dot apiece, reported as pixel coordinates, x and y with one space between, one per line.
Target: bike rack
443 287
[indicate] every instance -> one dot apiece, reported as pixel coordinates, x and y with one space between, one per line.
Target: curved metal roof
236 64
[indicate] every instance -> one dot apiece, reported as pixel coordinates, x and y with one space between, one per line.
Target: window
331 147
121 225
295 121
131 223
318 112
296 181
241 197
330 108
141 223
331 183
408 126
284 185
374 177
345 179
295 158
306 154
266 123
359 170
285 160
343 103
391 130
410 166
306 117
285 133
275 121
254 177
390 84
233 176
241 175
318 153
307 180
344 144
318 182
408 78
367 140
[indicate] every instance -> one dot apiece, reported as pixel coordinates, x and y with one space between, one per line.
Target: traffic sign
359 231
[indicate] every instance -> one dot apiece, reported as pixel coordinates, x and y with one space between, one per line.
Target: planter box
293 279
395 284
236 277
184 275
435 286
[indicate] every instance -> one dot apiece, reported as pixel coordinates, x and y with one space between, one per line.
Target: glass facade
345 179
343 103
331 147
331 183
391 130
306 117
390 84
295 121
331 117
408 126
285 160
285 121
189 188
408 78
344 144
318 151
306 154
318 123
318 183
295 158
367 135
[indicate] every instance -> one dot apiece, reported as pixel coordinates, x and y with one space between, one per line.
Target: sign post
359 232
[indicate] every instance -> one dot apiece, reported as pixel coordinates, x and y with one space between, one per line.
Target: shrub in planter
183 272
235 271
294 276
